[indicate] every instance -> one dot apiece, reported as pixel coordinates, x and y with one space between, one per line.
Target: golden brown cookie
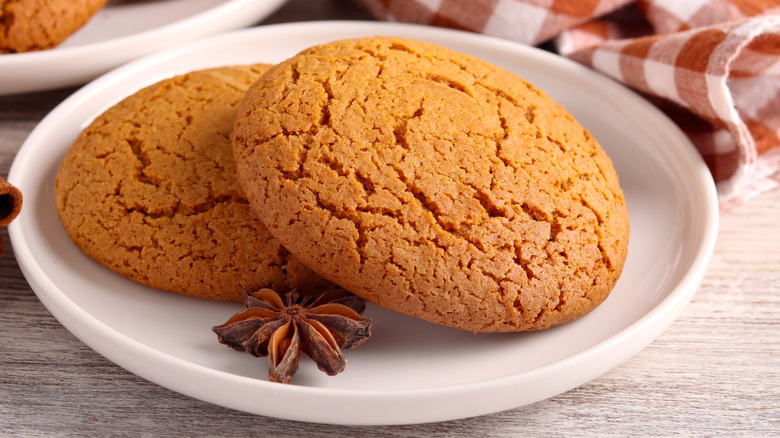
30 25
433 184
149 190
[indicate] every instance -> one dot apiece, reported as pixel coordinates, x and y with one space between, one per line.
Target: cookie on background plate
434 184
31 25
149 190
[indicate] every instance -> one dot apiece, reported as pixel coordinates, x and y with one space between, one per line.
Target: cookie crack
343 214
449 83
364 231
136 146
434 212
353 216
325 116
400 128
491 208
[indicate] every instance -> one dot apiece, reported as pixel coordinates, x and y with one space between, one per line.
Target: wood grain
714 372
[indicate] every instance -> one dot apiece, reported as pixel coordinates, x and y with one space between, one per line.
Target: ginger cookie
30 25
149 190
433 184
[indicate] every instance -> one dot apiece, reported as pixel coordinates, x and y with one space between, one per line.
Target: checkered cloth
712 65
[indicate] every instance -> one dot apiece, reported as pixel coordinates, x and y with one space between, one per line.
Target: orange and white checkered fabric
712 65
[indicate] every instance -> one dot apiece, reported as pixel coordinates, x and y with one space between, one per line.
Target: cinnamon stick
10 202
10 205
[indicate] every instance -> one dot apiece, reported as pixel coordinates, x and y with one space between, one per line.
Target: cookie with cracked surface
30 25
433 184
149 190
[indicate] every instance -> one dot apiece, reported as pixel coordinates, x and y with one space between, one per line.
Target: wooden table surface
714 372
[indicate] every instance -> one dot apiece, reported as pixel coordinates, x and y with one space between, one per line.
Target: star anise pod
281 326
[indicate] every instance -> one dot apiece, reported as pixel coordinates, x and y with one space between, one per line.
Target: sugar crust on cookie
149 190
433 184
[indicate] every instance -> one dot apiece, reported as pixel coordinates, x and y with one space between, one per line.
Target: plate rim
658 318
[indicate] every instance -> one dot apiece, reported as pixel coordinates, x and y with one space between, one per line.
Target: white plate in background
410 371
122 31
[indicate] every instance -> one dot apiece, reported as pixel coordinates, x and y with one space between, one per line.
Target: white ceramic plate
122 31
410 371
